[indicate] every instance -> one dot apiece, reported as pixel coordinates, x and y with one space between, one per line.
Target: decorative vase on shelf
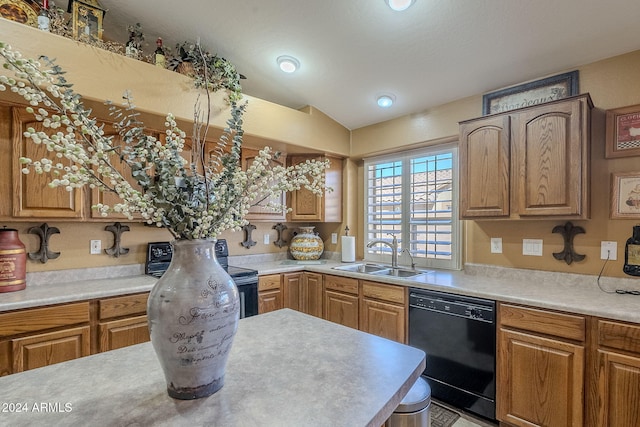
193 313
306 245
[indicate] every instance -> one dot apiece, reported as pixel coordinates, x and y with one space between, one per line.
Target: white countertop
285 368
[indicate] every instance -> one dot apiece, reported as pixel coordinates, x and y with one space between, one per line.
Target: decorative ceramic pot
193 313
13 261
306 245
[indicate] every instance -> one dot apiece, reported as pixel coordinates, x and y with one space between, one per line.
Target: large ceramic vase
193 313
306 245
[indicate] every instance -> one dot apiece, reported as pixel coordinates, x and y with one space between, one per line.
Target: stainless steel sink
400 272
381 270
362 268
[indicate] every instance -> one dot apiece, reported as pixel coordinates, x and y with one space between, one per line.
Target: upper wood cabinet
259 212
306 206
32 197
532 162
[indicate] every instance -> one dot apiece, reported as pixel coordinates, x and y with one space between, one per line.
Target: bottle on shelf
43 17
131 48
159 58
632 253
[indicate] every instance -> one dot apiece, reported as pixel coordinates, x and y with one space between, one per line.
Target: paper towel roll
348 249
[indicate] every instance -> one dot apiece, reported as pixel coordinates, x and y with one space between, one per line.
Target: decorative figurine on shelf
43 17
159 56
133 48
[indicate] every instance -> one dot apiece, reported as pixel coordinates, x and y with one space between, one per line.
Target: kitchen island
285 369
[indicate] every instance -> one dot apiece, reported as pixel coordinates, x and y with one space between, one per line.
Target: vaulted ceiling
351 51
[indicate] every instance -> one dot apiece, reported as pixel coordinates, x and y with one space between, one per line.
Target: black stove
159 257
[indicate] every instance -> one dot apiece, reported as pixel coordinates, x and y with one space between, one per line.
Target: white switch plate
96 246
532 247
611 247
334 238
496 245
265 239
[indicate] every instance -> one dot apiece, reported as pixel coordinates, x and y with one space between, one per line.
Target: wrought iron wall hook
280 227
568 232
247 243
117 229
44 232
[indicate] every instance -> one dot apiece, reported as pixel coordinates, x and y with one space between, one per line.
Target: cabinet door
122 333
305 206
32 196
46 349
615 375
618 390
312 294
551 159
484 167
292 290
259 212
269 301
540 381
383 319
341 308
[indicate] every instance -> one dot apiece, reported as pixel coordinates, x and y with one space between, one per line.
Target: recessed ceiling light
386 101
288 64
400 5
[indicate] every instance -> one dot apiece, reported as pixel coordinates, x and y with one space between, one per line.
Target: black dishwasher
458 334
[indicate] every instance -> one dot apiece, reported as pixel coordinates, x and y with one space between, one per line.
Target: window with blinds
413 196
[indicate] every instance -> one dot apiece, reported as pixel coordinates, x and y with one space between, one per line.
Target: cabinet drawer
37 319
341 284
621 336
123 306
395 294
271 281
553 323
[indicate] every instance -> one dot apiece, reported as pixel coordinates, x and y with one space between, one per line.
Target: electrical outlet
496 245
609 250
96 246
266 239
532 247
334 238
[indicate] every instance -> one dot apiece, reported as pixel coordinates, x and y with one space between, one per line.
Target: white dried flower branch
194 199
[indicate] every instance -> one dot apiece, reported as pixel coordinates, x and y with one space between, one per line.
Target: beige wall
612 83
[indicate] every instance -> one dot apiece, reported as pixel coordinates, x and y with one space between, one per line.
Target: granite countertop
285 369
576 293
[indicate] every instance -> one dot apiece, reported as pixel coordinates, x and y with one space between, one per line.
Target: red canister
13 261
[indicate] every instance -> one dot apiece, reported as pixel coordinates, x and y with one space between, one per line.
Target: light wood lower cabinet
270 294
122 321
541 367
36 351
383 310
614 398
38 337
341 301
311 295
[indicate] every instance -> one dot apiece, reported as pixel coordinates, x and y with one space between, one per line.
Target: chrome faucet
413 263
393 245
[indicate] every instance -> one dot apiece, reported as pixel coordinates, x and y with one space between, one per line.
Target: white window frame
380 252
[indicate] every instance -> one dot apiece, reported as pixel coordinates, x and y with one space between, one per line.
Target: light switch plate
496 245
611 248
265 239
334 238
532 247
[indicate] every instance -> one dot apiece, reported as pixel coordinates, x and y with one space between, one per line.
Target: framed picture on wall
625 195
623 132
